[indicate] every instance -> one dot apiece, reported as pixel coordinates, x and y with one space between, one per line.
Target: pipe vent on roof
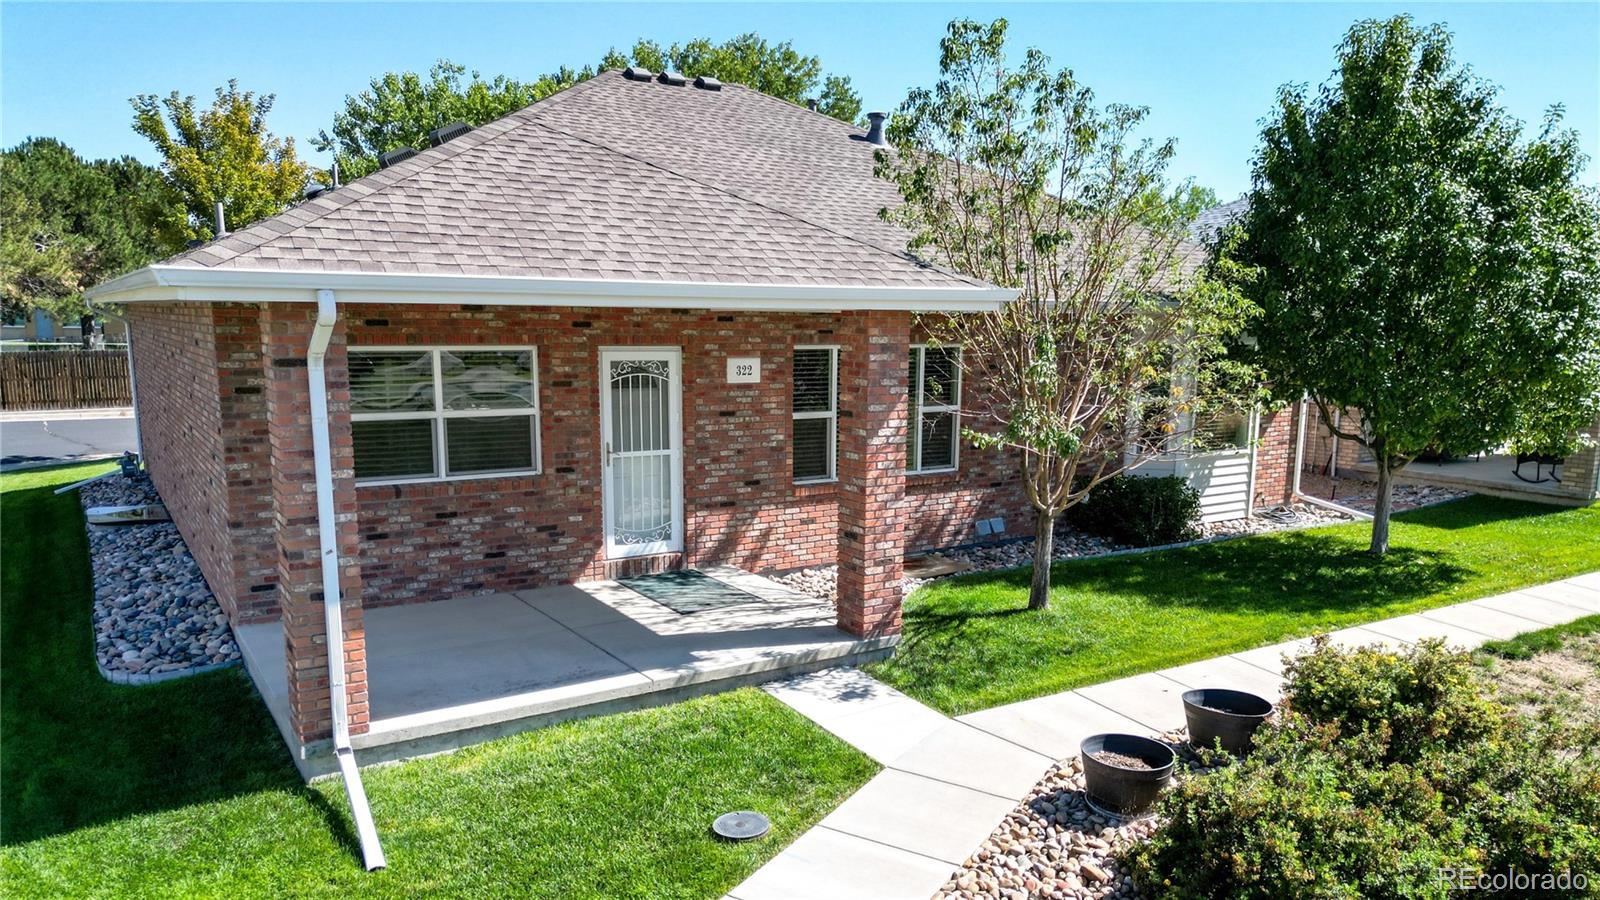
875 131
812 104
675 79
385 160
707 83
446 133
634 73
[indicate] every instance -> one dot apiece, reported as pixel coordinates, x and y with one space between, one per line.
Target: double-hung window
816 413
446 413
934 381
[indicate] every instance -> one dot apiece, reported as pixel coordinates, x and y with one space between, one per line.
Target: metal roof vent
812 104
707 83
315 189
634 73
385 160
446 133
875 132
675 79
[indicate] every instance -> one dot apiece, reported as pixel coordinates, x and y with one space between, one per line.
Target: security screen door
640 415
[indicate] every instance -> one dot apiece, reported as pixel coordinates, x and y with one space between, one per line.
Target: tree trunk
1380 511
1044 540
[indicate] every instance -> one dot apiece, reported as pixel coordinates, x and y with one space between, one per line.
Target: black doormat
687 591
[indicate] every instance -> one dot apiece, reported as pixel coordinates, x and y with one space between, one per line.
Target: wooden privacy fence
64 380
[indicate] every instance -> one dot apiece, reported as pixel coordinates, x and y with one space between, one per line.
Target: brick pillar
285 335
1580 474
872 464
1275 457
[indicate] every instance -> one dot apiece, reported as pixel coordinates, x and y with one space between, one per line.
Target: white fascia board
160 283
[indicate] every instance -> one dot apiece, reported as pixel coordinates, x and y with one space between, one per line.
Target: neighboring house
41 327
633 327
1574 480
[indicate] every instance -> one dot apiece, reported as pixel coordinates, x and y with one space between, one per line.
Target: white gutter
167 283
1299 456
333 615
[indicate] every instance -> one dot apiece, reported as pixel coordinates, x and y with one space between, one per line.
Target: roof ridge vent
675 79
446 133
635 73
385 160
707 83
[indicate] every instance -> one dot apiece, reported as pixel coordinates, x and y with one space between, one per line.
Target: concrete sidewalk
948 783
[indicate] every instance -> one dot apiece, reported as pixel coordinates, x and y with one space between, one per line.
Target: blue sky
1208 71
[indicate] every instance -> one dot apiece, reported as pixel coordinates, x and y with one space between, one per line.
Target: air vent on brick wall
447 133
385 160
634 73
675 79
707 83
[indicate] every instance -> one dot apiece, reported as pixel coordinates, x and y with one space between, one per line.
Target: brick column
1275 457
872 464
285 335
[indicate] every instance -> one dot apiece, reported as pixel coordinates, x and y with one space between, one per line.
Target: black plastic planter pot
1220 715
1125 791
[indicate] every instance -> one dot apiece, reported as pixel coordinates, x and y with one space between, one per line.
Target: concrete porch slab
449 673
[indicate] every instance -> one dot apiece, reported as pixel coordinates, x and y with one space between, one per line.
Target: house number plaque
744 370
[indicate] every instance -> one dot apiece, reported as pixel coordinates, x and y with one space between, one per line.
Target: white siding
1222 478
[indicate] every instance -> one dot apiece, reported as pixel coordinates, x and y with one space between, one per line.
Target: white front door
641 447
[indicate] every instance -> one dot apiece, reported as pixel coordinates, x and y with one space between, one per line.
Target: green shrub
1379 771
1141 512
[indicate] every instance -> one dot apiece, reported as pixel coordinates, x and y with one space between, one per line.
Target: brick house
641 325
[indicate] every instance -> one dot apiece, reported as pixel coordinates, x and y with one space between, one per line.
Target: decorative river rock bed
154 616
1055 845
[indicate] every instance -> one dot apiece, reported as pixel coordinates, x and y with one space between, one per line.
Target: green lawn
185 789
971 643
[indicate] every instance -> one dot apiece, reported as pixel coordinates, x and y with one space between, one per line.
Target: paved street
63 437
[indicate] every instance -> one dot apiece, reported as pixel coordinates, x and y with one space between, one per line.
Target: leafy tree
1015 176
1419 262
774 69
398 109
222 153
67 224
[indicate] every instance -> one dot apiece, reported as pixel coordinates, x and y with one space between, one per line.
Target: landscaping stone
1054 845
154 616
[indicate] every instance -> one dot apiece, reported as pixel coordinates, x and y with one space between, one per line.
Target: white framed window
443 413
815 445
934 382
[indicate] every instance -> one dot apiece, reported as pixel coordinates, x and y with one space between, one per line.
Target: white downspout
321 446
133 393
1299 458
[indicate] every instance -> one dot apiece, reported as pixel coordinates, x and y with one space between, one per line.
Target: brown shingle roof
612 179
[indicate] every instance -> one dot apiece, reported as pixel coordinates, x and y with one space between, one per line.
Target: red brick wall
427 541
201 422
1275 457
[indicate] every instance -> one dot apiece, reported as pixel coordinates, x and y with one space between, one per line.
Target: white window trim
914 448
832 415
439 414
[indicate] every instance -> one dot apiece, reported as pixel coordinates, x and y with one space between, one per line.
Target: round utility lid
741 826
